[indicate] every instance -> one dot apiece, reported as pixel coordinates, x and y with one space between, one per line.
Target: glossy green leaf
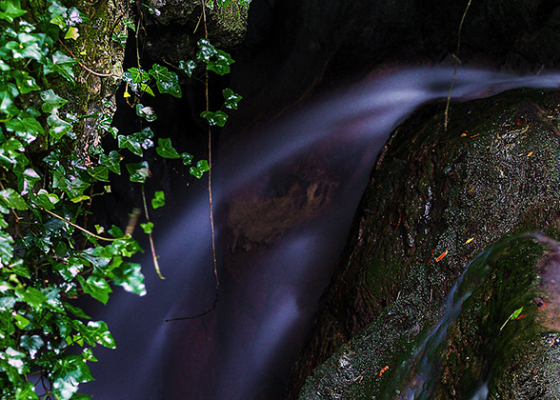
9 198
158 200
25 82
221 65
138 172
97 288
6 247
45 199
32 296
52 101
217 118
101 333
62 64
26 129
187 67
165 149
57 127
137 141
201 167
166 81
112 161
186 158
231 98
146 112
129 276
21 321
10 9
31 343
147 227
100 173
205 50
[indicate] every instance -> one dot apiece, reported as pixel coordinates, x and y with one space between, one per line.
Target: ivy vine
48 257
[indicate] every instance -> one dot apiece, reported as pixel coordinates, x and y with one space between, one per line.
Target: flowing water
245 347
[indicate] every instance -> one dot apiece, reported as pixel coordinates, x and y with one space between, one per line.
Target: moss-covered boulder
436 200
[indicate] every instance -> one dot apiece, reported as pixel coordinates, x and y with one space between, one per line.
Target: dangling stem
214 260
152 247
457 61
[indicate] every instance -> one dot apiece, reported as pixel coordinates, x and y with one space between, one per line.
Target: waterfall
245 347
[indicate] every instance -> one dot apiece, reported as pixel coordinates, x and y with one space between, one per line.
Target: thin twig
457 61
83 229
214 260
80 63
152 247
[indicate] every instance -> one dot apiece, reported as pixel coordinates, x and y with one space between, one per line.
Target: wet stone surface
435 201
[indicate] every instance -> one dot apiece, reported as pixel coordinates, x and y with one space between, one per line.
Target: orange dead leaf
442 256
530 154
521 316
383 370
469 240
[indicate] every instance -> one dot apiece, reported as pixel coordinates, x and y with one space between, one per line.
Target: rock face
435 201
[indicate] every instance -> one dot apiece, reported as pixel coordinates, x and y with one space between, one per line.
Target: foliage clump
48 258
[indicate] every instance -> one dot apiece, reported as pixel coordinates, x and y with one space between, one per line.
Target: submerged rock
438 198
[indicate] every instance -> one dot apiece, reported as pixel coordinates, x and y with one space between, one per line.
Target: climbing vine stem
457 61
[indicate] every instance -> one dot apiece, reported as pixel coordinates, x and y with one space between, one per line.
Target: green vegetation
47 256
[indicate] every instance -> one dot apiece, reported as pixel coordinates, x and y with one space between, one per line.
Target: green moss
437 199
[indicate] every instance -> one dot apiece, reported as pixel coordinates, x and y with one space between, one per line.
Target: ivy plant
48 257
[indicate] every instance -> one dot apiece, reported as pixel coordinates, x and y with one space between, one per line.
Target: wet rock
435 201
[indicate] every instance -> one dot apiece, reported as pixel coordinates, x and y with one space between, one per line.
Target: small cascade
244 349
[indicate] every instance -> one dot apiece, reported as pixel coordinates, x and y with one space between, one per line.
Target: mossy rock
437 199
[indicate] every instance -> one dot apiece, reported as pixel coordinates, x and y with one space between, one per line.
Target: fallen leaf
442 256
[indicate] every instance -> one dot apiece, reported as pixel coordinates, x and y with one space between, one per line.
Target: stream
244 349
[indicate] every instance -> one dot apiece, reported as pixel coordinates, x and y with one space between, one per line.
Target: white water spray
244 349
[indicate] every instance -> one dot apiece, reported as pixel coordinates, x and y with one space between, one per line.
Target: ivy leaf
6 247
201 167
187 67
158 200
31 296
9 198
146 112
58 127
26 129
10 151
100 173
166 81
222 64
231 98
25 82
186 158
45 199
78 312
72 33
8 92
98 288
62 64
217 118
21 321
138 76
137 141
52 101
129 276
147 227
112 161
101 334
165 149
138 172
10 9
206 50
